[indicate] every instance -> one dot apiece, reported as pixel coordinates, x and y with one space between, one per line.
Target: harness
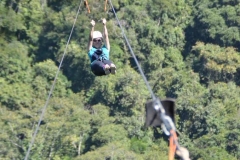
98 55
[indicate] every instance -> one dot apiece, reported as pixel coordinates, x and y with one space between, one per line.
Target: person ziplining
156 115
99 53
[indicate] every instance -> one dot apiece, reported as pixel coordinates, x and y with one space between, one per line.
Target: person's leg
112 66
107 62
99 68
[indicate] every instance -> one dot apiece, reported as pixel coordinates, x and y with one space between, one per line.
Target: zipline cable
169 127
159 105
129 46
52 88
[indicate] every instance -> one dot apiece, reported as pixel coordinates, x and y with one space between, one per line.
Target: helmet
97 34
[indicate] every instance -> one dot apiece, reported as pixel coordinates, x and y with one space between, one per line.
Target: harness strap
172 144
97 55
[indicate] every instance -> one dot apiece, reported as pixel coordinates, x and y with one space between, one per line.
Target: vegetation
188 49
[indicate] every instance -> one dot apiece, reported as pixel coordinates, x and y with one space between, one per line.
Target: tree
215 63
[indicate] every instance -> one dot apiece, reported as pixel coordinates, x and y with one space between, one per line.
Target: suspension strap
86 5
105 6
172 145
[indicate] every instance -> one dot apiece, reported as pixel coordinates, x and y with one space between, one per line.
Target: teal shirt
104 55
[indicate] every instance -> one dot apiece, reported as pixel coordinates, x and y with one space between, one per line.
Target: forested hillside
189 50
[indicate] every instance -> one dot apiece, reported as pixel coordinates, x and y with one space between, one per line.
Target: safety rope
168 125
52 88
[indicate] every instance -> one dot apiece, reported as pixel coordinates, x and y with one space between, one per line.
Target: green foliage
166 71
48 70
33 17
15 62
114 150
15 95
215 63
108 133
138 146
155 59
120 91
213 22
10 19
188 50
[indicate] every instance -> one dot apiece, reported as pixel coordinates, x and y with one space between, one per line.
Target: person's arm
105 34
90 40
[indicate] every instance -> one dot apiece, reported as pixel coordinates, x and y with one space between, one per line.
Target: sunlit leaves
216 63
109 133
14 59
48 70
216 22
105 118
10 18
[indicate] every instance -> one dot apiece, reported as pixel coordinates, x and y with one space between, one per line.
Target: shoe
113 68
107 69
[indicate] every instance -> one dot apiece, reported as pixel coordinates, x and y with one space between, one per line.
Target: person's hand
93 23
104 21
